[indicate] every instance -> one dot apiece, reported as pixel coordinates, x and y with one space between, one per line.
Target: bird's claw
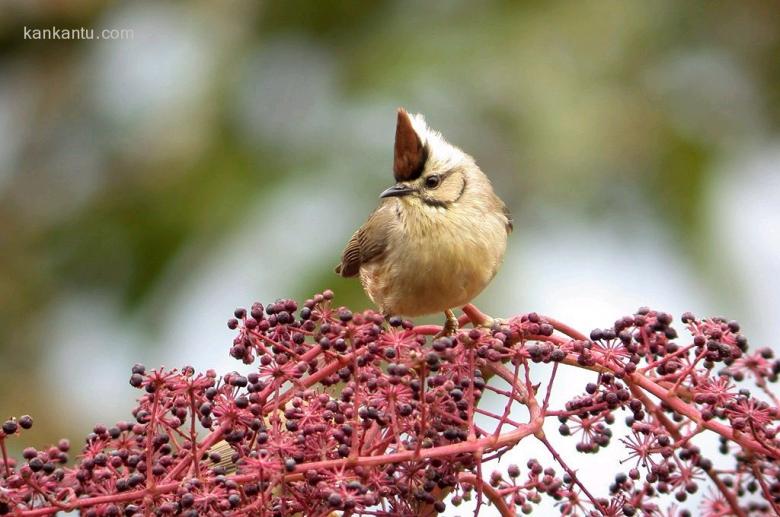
450 327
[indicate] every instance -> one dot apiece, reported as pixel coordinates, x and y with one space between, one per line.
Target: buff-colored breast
436 259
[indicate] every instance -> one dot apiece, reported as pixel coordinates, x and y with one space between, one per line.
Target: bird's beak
398 190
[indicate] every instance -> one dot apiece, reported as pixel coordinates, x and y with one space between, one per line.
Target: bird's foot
451 326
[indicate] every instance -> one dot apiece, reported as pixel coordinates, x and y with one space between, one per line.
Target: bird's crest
410 151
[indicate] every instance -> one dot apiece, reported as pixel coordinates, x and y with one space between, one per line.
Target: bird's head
429 170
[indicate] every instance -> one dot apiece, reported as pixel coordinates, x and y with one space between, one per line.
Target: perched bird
439 234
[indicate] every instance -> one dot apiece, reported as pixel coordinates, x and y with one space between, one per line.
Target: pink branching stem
684 409
517 393
427 330
355 406
654 364
758 475
549 387
479 480
509 438
215 436
150 434
675 433
205 445
687 371
571 473
504 373
194 433
565 329
42 493
349 413
474 315
510 399
5 456
775 400
502 419
309 381
472 367
423 412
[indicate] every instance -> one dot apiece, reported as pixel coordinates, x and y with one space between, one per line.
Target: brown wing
366 244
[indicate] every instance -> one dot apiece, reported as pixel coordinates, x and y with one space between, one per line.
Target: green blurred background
225 153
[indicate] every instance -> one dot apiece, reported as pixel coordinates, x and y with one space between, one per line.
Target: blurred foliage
118 157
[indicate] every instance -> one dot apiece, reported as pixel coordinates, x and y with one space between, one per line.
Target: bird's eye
432 181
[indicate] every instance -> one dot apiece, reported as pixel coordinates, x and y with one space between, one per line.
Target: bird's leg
450 326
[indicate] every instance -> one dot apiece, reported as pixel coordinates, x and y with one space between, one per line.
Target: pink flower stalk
346 412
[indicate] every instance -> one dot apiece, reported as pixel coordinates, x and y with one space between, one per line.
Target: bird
439 234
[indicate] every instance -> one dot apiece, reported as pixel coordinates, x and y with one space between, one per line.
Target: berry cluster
346 412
